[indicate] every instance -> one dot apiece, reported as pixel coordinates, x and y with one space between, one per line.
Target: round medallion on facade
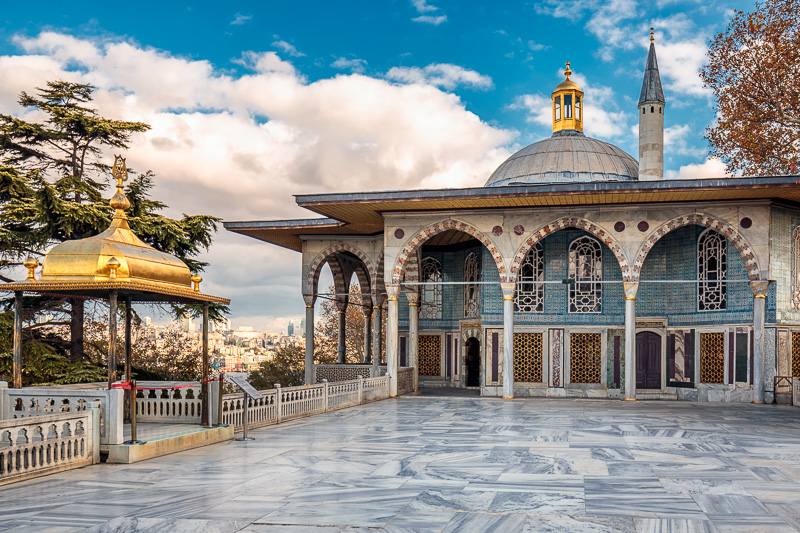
619 226
745 222
643 226
399 234
519 229
497 231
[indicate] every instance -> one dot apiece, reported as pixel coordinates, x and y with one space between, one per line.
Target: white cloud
240 19
711 168
354 65
676 142
442 75
287 48
422 6
239 146
568 9
427 19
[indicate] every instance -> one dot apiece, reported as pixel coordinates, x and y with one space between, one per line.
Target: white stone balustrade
35 445
175 406
287 403
30 402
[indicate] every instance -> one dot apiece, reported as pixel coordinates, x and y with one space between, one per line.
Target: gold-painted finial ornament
567 71
30 263
196 279
652 39
120 172
113 264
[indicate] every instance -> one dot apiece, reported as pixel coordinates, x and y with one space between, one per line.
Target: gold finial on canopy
113 265
196 279
567 71
120 172
30 263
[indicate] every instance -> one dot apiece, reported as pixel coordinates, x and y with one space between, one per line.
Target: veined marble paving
449 464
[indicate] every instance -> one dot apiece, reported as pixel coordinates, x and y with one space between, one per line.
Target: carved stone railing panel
341 372
405 380
36 445
344 394
28 402
168 405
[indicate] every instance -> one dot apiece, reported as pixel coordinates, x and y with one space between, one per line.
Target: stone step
656 396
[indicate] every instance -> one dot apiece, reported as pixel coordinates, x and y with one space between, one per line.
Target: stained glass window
712 266
530 293
431 305
472 275
585 267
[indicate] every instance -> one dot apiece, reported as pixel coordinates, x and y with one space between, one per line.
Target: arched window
712 270
431 305
472 290
585 267
796 268
557 108
530 292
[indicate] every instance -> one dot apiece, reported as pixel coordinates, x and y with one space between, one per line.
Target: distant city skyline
252 103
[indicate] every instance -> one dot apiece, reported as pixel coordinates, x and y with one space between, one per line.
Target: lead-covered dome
567 156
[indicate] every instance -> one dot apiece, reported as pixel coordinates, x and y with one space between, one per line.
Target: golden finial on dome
120 173
30 263
567 72
113 265
196 279
652 39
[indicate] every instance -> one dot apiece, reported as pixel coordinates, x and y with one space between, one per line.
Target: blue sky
254 102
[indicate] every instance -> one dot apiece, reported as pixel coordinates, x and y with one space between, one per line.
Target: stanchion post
133 439
244 420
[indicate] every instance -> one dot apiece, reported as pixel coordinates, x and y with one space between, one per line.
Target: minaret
651 120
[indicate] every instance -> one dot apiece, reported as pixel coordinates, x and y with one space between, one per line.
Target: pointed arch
699 219
571 222
315 268
415 242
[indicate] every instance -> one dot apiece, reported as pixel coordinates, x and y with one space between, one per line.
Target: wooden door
648 360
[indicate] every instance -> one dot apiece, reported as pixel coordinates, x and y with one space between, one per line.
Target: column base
508 397
393 396
756 402
416 390
630 400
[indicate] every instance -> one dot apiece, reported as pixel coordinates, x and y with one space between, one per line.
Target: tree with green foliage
286 367
51 190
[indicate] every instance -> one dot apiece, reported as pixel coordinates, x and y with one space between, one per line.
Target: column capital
508 290
341 303
392 292
367 310
309 299
413 297
759 288
378 299
630 290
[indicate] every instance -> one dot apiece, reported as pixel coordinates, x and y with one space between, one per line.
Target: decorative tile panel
712 357
585 357
528 357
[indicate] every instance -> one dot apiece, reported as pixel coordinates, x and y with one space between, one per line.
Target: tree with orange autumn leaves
754 71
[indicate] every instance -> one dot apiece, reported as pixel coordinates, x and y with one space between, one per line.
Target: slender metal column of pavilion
367 333
205 387
377 331
413 336
508 339
630 340
341 306
112 265
392 292
310 377
759 289
128 354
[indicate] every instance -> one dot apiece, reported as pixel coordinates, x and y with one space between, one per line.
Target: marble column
367 332
508 339
341 306
377 332
630 340
310 299
413 336
205 387
112 337
392 291
759 289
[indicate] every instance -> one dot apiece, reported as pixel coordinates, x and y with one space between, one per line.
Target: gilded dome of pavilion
568 156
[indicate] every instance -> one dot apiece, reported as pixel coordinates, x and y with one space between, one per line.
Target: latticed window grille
796 268
430 355
530 293
712 358
472 290
528 357
712 270
796 354
585 267
431 304
585 358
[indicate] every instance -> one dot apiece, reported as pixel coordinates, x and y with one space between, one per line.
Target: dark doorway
648 360
473 362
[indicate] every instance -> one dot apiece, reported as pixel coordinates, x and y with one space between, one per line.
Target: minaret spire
651 119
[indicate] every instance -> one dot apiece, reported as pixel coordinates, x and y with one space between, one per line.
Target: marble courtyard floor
420 464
